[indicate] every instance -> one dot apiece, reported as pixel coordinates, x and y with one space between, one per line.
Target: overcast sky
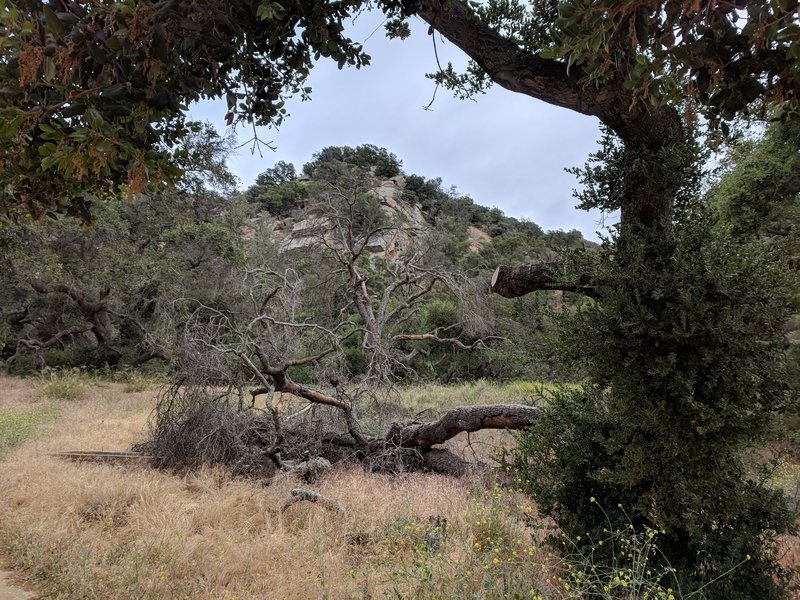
505 150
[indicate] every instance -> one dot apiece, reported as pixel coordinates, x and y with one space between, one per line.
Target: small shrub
64 385
135 382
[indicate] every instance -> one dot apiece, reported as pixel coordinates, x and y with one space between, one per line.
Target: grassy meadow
86 530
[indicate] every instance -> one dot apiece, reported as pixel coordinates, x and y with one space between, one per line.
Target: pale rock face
305 233
386 191
308 227
389 244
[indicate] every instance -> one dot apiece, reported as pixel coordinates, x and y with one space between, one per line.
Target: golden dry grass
86 530
83 530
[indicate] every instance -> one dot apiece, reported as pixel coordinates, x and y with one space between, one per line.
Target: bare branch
31 344
434 337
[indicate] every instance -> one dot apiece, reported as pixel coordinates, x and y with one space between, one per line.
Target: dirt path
12 587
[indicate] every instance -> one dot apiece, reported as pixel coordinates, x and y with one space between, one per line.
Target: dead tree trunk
463 419
424 437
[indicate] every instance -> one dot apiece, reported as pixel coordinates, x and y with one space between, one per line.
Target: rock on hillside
302 229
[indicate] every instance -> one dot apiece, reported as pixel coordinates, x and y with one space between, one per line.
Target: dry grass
436 397
99 531
85 530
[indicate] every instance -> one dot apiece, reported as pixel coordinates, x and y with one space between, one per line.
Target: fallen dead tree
237 404
190 428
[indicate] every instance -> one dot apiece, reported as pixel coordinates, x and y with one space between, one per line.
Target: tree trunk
513 282
445 462
460 420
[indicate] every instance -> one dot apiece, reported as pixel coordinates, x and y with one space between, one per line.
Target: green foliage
758 192
113 283
617 174
147 261
441 313
95 96
204 241
276 189
685 354
355 359
18 427
517 246
366 156
624 562
64 385
728 59
281 172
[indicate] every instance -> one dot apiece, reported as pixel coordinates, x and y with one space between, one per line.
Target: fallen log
306 495
460 420
103 457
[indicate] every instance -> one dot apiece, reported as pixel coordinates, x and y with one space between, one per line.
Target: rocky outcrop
305 233
411 223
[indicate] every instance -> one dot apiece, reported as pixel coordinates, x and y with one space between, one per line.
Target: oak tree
94 99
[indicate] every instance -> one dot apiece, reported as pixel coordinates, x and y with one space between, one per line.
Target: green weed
636 570
17 427
64 385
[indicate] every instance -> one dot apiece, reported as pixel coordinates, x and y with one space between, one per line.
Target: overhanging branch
513 282
523 71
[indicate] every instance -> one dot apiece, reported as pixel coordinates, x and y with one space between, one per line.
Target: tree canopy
95 94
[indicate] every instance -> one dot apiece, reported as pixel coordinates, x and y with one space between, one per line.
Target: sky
504 150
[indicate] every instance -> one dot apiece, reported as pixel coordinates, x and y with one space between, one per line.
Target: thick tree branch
524 72
30 344
513 282
644 128
463 419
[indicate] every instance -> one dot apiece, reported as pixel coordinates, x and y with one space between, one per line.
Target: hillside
478 237
119 294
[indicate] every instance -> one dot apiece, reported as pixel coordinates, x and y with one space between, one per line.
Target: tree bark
513 282
460 420
445 462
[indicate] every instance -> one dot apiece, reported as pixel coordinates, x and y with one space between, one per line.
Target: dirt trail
11 585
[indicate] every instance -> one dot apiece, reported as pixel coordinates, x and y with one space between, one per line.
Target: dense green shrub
277 199
684 352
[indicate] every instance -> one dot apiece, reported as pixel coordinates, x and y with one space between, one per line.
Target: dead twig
304 494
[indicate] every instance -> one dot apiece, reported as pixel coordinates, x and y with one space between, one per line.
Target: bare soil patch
12 585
